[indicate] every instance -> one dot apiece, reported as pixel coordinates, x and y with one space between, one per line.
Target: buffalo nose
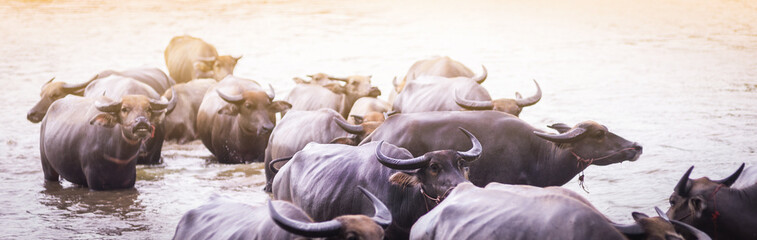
637 147
33 117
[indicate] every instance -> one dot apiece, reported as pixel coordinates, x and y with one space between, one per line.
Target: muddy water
680 77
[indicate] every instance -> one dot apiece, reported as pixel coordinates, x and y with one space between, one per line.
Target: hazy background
680 77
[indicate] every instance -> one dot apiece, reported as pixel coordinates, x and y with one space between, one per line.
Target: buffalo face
51 92
256 111
692 201
224 66
137 115
435 173
359 86
592 143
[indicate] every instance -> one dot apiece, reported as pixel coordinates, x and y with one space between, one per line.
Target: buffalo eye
248 105
125 110
672 201
434 168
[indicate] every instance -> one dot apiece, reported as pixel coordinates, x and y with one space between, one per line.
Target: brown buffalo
190 58
368 109
52 91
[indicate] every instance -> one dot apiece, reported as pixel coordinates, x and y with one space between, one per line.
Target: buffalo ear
357 119
229 109
697 206
344 140
404 179
107 120
638 216
280 106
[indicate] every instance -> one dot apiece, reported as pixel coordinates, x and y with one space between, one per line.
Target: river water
678 76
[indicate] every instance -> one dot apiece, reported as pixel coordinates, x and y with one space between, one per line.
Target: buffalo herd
442 159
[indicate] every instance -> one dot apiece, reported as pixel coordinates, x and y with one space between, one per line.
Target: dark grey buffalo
314 96
223 218
320 178
236 118
95 143
502 211
181 122
713 206
514 151
190 58
116 86
52 91
298 128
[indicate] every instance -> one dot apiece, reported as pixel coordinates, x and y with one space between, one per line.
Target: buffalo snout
35 116
142 127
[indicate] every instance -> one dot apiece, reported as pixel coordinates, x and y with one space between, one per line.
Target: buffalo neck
555 165
410 201
726 211
347 101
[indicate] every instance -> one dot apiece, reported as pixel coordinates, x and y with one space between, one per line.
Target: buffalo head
511 106
137 115
342 227
435 173
360 130
592 143
51 92
358 86
660 227
693 200
256 110
217 67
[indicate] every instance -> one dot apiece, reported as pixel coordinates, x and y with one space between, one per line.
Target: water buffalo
190 58
435 66
223 218
52 91
235 119
117 86
181 122
501 211
713 206
298 128
80 142
314 96
368 106
319 177
151 76
514 151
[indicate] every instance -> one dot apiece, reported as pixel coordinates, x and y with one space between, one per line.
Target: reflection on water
679 77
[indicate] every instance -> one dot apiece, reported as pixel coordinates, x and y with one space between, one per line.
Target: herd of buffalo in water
441 160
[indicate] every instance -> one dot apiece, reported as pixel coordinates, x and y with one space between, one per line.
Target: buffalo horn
274 169
523 102
382 216
401 164
305 229
567 137
692 230
271 94
77 86
49 81
731 179
354 129
480 78
682 188
112 106
231 99
475 151
473 104
661 214
560 127
339 79
629 229
162 104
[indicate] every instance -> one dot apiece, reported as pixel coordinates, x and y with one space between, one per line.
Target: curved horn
692 230
306 229
629 229
271 94
567 137
480 78
274 169
731 179
160 105
401 164
339 79
661 214
206 59
49 81
354 129
231 99
475 151
682 188
76 86
560 127
473 104
112 106
382 216
524 102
